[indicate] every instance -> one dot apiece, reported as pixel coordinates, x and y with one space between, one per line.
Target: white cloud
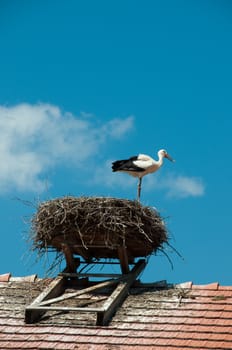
35 138
177 186
116 128
183 186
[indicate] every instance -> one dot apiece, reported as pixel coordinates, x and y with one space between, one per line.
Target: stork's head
164 154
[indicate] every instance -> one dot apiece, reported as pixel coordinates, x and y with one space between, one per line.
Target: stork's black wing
126 165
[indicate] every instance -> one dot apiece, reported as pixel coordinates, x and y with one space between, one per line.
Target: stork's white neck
160 159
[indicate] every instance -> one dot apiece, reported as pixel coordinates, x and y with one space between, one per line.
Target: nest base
98 228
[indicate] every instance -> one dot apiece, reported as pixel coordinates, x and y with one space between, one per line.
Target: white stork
141 165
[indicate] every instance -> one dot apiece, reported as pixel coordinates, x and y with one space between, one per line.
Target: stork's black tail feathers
126 165
118 165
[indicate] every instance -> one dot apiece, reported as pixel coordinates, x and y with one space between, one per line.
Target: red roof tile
5 277
211 286
185 316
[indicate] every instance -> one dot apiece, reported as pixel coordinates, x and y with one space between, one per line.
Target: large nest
95 227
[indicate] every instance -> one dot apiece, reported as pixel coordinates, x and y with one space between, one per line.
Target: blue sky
84 83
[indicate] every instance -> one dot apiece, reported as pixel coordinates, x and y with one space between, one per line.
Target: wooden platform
50 298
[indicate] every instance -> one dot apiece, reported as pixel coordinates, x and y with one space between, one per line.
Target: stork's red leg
139 188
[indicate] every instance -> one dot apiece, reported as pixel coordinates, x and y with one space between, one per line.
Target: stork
140 165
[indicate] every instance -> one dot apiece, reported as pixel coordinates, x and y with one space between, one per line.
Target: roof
183 316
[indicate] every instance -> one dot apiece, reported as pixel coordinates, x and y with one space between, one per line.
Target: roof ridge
191 285
7 277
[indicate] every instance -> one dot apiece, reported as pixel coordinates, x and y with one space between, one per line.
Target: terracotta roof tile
224 287
211 286
5 277
183 317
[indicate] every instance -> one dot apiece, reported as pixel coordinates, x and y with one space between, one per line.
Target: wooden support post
123 258
71 265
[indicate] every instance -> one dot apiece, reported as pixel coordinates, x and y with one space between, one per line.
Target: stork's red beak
169 157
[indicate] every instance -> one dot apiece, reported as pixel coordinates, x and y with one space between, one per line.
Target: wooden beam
55 288
65 308
52 294
118 296
123 258
80 292
101 275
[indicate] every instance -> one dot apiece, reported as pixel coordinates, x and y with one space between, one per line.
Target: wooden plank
109 307
80 292
53 293
119 294
55 288
101 275
65 308
158 284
